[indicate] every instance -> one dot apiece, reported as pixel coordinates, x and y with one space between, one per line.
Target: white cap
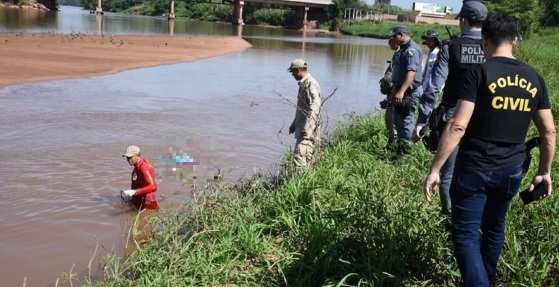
132 150
297 64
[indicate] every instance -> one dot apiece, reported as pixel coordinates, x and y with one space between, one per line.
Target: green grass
356 219
381 30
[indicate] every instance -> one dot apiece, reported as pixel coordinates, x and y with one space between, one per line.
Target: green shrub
271 16
211 12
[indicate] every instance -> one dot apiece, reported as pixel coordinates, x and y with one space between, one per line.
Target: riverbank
381 30
26 57
356 218
34 5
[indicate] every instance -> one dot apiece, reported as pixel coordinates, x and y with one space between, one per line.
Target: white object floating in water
183 158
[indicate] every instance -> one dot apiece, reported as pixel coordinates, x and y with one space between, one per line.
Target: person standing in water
143 187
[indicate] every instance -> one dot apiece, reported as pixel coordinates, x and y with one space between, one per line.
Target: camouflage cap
297 64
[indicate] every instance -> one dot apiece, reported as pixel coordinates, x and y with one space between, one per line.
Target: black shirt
507 93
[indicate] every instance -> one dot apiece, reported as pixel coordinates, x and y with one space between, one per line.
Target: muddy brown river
61 141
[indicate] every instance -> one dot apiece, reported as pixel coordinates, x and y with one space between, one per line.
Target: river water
61 141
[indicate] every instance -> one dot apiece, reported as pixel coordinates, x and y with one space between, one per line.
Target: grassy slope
357 217
380 30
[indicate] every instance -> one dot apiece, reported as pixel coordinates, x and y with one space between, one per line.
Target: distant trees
531 13
50 4
550 13
526 11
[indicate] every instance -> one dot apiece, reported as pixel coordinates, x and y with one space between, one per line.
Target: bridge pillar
172 12
99 22
238 30
238 12
99 9
172 27
302 17
305 17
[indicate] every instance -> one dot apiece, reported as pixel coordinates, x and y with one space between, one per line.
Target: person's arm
543 118
413 66
408 81
453 133
297 107
455 128
438 79
151 186
546 128
440 70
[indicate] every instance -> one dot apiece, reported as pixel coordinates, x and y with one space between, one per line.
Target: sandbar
29 57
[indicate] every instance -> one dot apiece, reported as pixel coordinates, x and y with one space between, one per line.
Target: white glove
129 192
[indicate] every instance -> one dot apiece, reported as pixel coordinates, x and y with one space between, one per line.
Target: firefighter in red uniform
143 187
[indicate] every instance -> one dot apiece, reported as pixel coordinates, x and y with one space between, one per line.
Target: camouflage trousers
304 151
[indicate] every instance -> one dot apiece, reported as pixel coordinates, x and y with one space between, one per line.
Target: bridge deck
310 3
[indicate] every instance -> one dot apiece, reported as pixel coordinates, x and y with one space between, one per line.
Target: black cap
473 10
430 34
398 30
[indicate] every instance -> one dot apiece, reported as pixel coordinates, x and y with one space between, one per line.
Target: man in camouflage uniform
306 125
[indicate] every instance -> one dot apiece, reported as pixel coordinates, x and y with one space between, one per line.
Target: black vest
464 54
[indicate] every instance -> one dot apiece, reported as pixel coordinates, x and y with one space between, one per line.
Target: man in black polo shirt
496 103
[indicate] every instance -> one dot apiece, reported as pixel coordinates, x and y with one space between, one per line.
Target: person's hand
430 184
544 179
128 193
417 133
292 128
399 98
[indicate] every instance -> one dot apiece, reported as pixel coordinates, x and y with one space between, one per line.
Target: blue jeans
404 115
446 179
447 170
480 201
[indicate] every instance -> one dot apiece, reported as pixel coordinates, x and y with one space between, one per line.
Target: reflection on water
13 19
99 21
62 140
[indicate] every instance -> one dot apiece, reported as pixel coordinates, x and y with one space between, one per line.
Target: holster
437 122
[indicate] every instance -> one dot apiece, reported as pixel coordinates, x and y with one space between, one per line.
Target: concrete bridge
302 8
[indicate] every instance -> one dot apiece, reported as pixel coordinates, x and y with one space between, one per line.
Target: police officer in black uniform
456 58
495 104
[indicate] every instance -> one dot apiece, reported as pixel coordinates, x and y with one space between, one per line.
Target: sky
407 4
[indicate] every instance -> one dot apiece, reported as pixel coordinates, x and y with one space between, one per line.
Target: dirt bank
35 57
28 5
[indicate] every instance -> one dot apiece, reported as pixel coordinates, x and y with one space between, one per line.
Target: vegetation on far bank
357 218
48 4
532 15
381 30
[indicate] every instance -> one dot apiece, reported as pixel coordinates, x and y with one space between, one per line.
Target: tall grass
357 218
